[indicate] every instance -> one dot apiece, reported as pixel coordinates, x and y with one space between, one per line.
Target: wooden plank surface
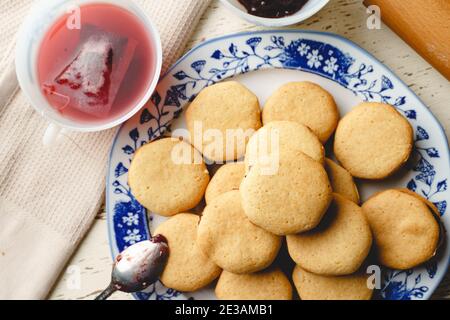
423 24
345 17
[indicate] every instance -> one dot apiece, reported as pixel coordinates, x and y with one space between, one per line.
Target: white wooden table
92 260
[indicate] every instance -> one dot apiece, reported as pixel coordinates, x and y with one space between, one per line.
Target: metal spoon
138 266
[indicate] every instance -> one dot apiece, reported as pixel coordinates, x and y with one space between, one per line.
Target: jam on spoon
273 8
138 266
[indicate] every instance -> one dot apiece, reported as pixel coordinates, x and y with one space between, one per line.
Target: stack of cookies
276 184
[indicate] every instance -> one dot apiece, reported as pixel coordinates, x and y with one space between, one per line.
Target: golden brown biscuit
263 285
430 204
221 109
231 240
188 268
311 286
291 199
227 178
341 181
338 246
306 103
373 140
406 232
278 137
168 176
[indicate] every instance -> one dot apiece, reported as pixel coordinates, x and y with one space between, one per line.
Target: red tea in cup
100 70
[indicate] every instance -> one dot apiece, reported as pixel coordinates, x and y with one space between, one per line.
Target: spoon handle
107 292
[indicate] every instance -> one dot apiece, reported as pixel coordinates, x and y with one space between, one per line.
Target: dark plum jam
273 8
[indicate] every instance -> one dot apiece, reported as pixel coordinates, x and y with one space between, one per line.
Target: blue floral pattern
296 50
398 286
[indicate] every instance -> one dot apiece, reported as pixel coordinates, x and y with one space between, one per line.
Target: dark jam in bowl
273 8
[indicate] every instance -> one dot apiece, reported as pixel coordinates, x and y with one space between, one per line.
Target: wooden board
423 24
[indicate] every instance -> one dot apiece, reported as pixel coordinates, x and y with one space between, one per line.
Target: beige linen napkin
49 196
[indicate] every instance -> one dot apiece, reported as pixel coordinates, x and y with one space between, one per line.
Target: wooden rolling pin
423 24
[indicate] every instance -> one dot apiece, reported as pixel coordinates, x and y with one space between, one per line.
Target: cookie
405 229
373 141
306 103
311 286
278 137
188 268
341 181
430 204
338 246
231 240
221 120
289 198
227 178
264 285
168 176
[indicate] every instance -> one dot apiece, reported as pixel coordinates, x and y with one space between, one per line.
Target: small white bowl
309 9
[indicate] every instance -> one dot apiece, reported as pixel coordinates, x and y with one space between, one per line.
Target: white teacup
40 19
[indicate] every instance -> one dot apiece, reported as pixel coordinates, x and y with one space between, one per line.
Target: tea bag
92 79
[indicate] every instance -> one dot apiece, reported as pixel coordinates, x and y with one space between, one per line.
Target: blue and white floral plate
263 61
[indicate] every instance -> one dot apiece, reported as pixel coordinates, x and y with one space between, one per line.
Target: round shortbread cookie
168 176
227 178
278 137
289 197
373 141
338 246
263 285
188 268
218 115
306 103
405 229
231 240
341 181
311 286
430 204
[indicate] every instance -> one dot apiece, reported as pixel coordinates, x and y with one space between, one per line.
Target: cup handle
51 134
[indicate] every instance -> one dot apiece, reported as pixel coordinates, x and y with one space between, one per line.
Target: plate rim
349 42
